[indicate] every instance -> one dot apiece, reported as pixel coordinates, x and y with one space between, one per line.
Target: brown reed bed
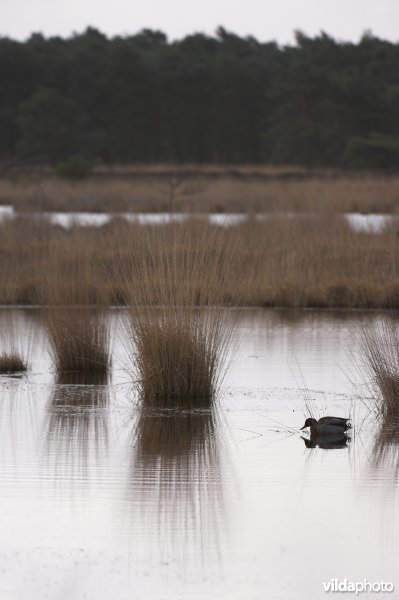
179 331
201 189
286 262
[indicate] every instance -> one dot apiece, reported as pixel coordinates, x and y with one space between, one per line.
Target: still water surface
102 499
372 222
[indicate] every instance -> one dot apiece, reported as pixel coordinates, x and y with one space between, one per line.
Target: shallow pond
372 222
101 499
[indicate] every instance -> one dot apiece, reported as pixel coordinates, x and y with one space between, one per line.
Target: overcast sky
264 19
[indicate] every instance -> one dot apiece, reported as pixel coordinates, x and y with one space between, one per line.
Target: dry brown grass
301 262
380 346
293 262
14 351
181 335
79 340
77 327
320 262
198 189
311 194
12 362
177 363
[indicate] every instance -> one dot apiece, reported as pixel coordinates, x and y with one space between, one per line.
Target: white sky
264 19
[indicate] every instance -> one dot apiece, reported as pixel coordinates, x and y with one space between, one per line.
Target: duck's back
340 423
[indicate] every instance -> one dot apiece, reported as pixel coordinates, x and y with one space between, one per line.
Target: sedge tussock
79 340
179 330
12 362
380 350
14 354
77 327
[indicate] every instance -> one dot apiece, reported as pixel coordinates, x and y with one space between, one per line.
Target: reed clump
12 362
380 347
79 340
179 331
174 362
14 351
76 323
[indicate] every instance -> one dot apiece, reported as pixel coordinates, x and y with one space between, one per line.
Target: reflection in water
20 406
62 535
385 471
386 446
77 425
176 483
329 442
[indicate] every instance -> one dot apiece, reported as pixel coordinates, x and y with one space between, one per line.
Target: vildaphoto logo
358 587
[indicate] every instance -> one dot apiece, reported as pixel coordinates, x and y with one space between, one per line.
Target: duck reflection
327 442
176 486
77 425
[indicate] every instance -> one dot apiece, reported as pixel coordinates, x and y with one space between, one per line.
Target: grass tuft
180 332
175 362
79 340
380 345
11 362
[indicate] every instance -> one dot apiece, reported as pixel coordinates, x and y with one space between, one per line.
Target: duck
327 426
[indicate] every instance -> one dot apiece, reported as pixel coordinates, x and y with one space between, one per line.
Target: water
102 499
372 223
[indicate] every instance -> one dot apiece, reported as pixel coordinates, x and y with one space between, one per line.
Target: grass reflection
176 486
77 422
385 450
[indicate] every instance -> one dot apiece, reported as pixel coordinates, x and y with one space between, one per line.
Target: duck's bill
304 427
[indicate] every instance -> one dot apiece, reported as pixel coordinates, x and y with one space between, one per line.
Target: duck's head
309 423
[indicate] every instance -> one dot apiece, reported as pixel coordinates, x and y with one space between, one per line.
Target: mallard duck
327 426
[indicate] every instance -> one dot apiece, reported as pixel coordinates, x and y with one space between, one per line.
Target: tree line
214 99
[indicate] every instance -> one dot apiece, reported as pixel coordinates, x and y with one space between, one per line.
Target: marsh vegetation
180 334
380 346
152 471
77 326
287 262
204 188
79 339
13 357
12 362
